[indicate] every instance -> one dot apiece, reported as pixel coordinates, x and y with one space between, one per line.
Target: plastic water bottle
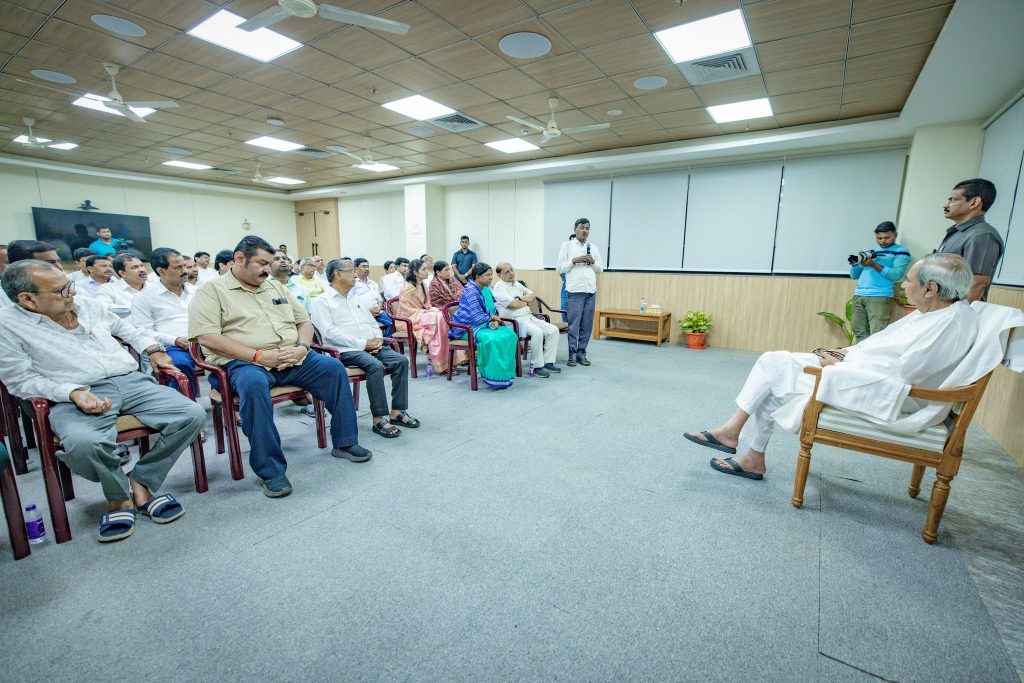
643 304
531 371
430 371
34 525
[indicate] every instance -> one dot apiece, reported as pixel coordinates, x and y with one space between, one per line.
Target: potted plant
840 323
696 325
900 297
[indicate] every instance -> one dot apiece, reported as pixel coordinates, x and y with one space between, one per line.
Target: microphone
588 248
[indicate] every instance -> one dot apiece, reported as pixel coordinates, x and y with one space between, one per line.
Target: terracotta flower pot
695 340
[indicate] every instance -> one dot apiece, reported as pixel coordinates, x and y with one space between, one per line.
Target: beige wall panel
1002 410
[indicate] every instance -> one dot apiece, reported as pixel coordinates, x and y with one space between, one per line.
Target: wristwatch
155 348
302 343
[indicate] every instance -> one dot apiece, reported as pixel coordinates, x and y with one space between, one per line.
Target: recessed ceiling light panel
281 180
54 76
741 111
525 45
418 107
63 145
275 144
614 112
180 151
705 37
23 139
95 102
512 145
117 25
187 164
377 167
262 44
650 83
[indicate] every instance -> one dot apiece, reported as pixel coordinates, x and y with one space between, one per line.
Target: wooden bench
661 318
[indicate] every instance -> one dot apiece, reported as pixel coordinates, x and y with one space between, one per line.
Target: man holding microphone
580 262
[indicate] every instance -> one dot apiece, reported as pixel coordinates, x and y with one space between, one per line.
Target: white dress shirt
206 274
162 313
78 276
391 285
343 321
368 293
579 277
117 295
505 293
38 357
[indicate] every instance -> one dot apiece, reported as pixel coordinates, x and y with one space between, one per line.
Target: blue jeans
321 375
389 325
580 307
183 361
562 300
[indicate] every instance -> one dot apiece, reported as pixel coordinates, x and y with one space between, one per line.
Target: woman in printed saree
428 323
445 288
496 345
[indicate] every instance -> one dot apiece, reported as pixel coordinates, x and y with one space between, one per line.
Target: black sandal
385 429
404 420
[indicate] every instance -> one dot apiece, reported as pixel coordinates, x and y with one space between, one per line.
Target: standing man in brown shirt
250 324
970 236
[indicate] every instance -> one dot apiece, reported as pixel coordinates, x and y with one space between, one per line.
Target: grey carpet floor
562 529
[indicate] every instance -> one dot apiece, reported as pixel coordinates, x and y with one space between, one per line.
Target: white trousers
543 340
776 378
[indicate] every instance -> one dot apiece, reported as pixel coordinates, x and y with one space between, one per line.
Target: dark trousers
183 361
389 325
321 375
374 364
580 307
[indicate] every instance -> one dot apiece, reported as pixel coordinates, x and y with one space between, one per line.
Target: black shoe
572 361
276 487
353 453
582 360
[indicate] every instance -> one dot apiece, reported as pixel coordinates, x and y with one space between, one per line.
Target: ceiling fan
113 101
304 9
367 160
30 139
552 130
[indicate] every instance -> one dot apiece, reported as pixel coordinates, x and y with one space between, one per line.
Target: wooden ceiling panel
482 16
20 21
207 55
134 81
179 70
507 84
43 6
594 92
429 32
91 43
669 73
562 71
542 6
317 65
686 117
180 15
361 48
883 88
244 91
736 90
690 132
416 75
907 60
915 28
632 54
460 96
787 18
807 99
668 100
806 78
747 126
11 42
629 108
466 60
868 10
799 118
659 14
218 102
807 50
872 107
423 146
276 78
597 22
494 113
635 126
373 88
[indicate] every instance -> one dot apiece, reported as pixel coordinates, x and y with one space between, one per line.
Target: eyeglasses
65 291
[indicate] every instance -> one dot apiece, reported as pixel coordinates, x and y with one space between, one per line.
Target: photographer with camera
875 271
105 244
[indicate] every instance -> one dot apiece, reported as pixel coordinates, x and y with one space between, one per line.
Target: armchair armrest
165 375
515 325
542 304
220 373
329 350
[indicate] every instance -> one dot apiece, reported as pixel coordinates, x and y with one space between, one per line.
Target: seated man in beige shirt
250 324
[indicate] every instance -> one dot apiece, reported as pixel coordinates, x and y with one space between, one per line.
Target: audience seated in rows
392 284
251 325
202 261
308 280
64 350
428 323
870 378
80 256
496 344
130 279
345 323
222 261
445 288
513 300
370 296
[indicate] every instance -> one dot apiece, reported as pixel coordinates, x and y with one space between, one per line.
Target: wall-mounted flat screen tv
69 230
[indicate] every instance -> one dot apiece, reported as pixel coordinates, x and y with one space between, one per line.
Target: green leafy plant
845 325
898 295
695 321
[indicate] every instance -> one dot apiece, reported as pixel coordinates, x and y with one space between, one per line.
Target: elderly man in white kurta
513 301
871 378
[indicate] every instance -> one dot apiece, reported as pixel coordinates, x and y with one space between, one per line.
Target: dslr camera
860 257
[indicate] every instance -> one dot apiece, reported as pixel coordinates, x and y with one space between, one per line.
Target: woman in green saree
496 344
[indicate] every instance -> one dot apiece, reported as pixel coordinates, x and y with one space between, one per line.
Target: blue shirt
874 283
463 262
101 248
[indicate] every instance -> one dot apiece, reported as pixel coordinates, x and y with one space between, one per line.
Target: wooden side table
660 332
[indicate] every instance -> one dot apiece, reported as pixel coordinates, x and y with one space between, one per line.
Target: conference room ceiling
821 60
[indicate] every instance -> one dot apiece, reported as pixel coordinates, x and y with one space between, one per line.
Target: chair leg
451 362
803 466
915 481
143 445
66 483
321 423
19 454
472 371
199 466
234 446
940 493
12 511
412 357
54 496
30 439
218 425
355 395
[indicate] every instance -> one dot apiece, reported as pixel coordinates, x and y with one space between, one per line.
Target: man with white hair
919 349
513 300
307 278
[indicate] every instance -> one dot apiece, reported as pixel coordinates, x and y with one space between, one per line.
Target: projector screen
568 200
648 220
69 230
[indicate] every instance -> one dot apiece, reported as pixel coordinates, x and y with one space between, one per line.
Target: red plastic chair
403 336
468 344
355 375
57 476
225 404
12 508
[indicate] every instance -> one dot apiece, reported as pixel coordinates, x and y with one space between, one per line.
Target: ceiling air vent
724 67
313 152
456 123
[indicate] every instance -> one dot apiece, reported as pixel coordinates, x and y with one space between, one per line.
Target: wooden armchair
12 508
933 447
541 306
468 344
402 333
225 404
355 375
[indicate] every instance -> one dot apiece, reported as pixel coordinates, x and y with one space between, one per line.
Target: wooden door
316 227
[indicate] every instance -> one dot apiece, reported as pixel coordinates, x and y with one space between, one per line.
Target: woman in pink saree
428 325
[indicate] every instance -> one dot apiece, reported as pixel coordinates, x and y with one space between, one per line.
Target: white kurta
873 380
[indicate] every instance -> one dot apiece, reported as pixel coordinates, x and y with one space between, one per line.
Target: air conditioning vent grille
724 67
313 152
456 123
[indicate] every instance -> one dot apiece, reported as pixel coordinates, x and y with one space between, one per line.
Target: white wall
504 221
186 219
373 226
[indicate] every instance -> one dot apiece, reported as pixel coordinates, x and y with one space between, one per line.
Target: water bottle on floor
34 525
430 371
643 304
